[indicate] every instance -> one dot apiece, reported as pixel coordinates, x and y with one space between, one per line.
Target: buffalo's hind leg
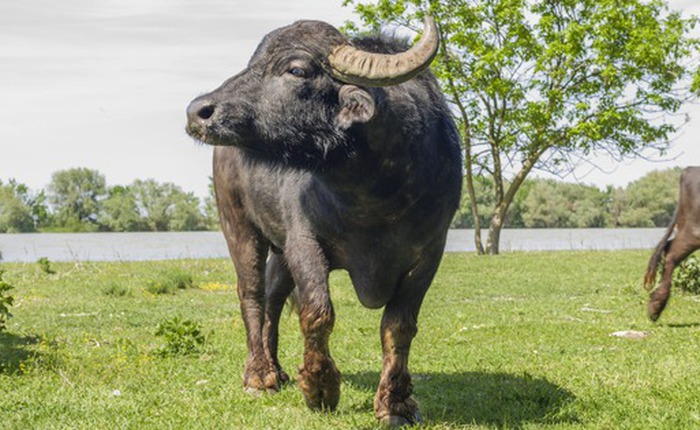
394 403
681 247
278 285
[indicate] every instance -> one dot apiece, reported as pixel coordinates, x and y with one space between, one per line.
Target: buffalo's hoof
321 388
257 383
322 401
282 376
400 421
257 392
321 398
396 413
654 310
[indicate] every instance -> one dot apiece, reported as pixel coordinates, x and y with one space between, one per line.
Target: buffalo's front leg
249 257
319 379
248 249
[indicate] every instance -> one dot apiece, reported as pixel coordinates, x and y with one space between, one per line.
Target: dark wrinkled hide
685 229
312 175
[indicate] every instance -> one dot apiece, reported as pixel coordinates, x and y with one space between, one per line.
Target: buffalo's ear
356 106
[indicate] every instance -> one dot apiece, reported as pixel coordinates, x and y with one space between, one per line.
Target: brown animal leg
681 247
319 379
278 285
260 374
394 403
248 251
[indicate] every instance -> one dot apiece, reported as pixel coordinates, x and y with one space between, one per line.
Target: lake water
29 247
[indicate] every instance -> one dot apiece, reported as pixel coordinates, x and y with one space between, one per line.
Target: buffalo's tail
659 252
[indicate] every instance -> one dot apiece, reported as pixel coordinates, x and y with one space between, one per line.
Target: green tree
649 201
186 215
120 212
15 214
540 85
211 213
39 208
464 218
20 209
556 204
166 207
153 203
544 207
76 195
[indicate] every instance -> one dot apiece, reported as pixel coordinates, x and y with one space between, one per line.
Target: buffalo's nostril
206 112
200 110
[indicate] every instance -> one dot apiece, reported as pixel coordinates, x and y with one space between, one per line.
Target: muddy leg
248 251
278 285
260 374
319 379
681 247
394 403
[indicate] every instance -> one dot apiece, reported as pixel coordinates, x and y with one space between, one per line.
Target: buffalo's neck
371 187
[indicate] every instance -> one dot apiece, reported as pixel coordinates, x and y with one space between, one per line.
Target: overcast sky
104 84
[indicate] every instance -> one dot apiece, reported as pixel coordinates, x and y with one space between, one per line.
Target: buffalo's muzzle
199 113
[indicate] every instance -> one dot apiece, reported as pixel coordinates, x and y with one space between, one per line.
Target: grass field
520 340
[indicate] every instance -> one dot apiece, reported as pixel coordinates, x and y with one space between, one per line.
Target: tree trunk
494 239
468 165
478 244
499 214
497 220
472 200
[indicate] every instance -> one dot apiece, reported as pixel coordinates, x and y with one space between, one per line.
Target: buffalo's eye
298 72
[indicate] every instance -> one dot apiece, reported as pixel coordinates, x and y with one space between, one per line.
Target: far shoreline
140 246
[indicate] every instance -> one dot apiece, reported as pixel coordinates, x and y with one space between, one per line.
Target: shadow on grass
681 325
13 351
491 399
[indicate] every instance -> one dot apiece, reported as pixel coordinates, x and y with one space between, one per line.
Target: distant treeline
545 203
79 200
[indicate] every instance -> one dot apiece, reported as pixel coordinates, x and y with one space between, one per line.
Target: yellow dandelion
214 286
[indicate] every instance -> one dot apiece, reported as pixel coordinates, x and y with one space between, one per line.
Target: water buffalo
685 229
333 154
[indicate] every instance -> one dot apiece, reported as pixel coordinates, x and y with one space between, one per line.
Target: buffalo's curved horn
354 66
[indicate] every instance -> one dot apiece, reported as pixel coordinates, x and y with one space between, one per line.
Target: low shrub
179 279
5 301
45 266
182 337
114 289
686 277
170 282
